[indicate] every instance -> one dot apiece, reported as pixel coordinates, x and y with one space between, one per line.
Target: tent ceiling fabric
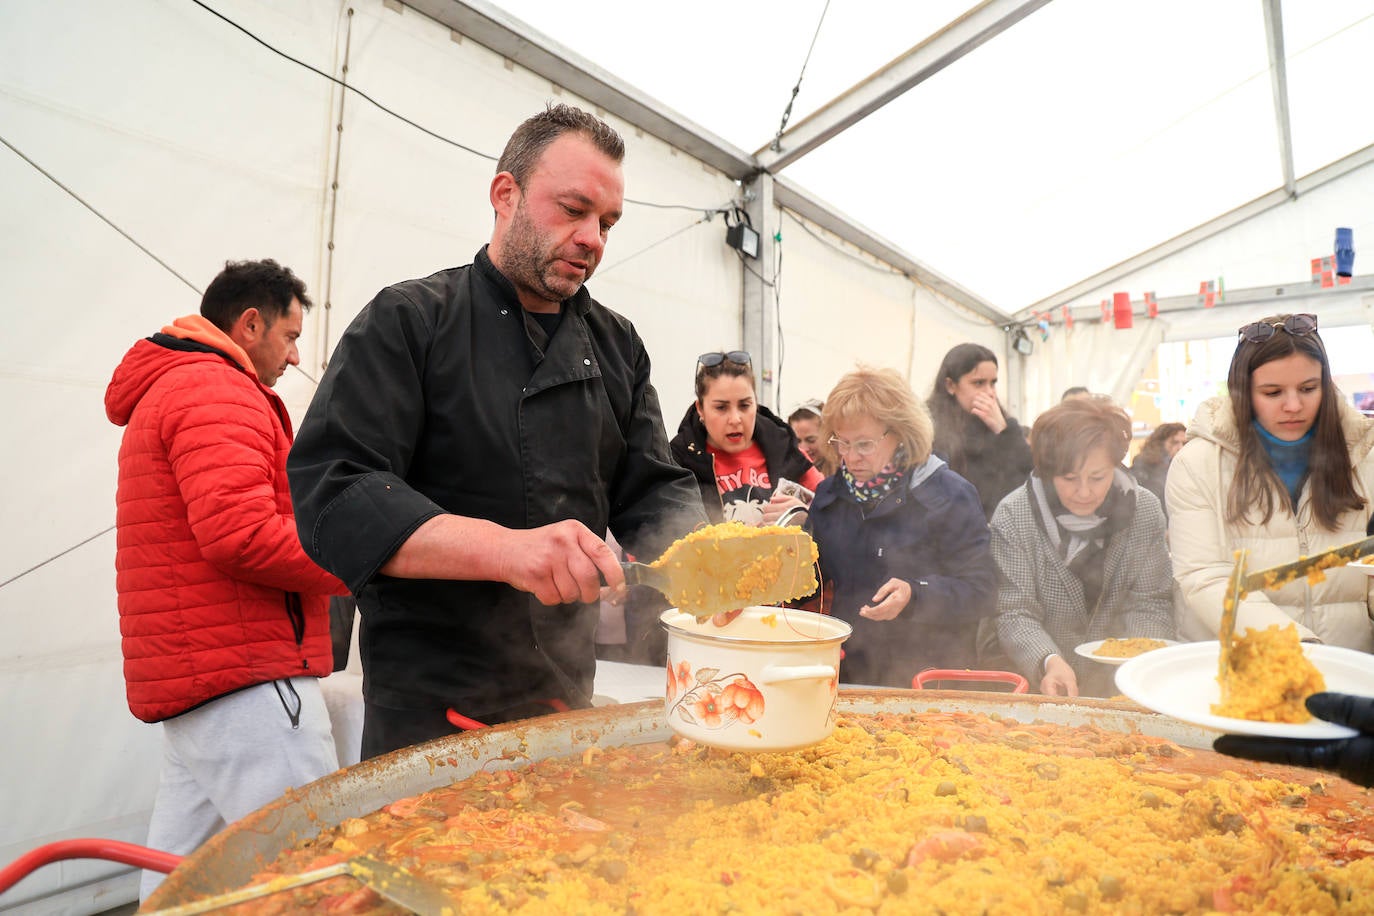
1081 135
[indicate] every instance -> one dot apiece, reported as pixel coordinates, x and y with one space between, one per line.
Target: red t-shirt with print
744 484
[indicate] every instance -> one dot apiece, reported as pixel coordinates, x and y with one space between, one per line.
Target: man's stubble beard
528 258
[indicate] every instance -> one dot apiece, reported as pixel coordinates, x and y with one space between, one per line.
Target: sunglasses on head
1296 325
738 357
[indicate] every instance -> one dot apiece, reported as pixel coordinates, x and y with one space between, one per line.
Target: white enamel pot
765 681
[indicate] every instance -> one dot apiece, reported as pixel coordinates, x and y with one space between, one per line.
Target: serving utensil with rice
1241 582
731 565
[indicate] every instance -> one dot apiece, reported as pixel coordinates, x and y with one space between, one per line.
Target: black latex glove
1352 758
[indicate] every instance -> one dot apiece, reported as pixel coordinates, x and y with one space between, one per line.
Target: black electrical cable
885 269
777 317
343 84
776 145
77 197
674 234
400 117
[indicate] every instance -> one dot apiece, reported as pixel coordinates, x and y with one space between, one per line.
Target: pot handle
778 674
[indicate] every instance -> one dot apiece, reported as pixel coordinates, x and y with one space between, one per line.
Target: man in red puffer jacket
224 617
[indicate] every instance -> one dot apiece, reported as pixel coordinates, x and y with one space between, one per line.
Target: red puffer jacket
215 592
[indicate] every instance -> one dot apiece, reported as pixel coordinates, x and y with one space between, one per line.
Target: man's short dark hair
264 285
532 137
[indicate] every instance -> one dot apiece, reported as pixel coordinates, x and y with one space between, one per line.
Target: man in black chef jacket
475 433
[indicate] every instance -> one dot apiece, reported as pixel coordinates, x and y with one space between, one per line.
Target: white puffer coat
1335 611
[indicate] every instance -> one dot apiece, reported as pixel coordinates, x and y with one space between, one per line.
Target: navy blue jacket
933 535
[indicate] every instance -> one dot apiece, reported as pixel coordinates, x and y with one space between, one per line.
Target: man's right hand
560 563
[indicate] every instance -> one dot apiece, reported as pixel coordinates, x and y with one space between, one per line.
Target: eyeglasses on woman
864 448
1297 325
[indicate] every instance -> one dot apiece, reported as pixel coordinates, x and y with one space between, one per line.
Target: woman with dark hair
902 538
805 420
737 448
1080 548
1280 466
972 430
1151 465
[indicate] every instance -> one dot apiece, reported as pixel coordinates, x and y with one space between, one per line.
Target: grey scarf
1072 534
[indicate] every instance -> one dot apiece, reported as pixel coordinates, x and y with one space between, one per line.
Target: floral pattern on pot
711 699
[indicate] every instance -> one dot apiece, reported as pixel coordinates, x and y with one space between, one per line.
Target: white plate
1181 681
1088 648
1366 568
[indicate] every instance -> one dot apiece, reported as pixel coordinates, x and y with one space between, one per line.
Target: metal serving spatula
389 881
731 565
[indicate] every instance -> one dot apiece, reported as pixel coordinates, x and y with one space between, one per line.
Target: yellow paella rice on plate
1270 678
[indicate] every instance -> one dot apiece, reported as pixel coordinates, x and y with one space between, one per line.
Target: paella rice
1270 677
918 813
1128 648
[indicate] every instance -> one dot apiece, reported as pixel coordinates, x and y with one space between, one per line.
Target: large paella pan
920 802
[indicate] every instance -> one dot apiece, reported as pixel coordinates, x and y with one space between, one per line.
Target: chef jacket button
586 362
505 312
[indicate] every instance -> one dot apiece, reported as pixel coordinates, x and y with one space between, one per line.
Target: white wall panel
205 146
841 307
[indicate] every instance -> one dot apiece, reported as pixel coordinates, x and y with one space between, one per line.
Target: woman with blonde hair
902 538
1080 551
1282 466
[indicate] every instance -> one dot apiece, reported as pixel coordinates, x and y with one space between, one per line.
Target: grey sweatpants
230 757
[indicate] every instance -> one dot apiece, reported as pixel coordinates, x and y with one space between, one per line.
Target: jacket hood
1214 422
186 340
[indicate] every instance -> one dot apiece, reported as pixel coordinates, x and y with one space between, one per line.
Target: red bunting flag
1068 318
1121 311
1106 310
1151 306
1207 293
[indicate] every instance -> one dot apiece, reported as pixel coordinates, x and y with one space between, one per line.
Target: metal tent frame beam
926 59
493 28
513 39
1185 240
1278 77
812 209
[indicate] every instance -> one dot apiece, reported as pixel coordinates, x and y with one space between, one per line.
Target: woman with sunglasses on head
902 538
1281 466
737 448
972 430
1080 551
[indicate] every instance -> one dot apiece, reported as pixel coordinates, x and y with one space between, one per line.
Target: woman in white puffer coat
1283 467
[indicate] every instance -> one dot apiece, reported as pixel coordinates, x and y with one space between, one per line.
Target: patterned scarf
881 484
